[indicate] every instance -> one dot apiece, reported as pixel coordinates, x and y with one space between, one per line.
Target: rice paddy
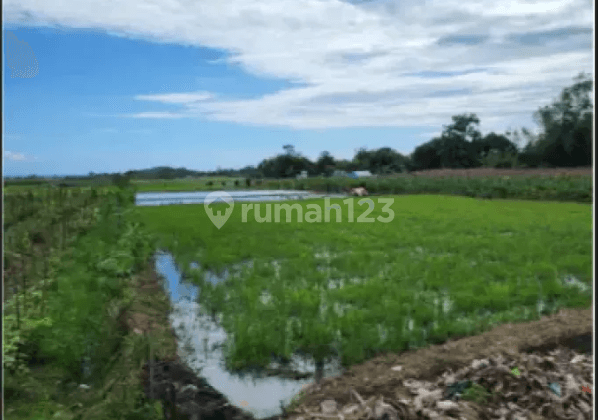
443 267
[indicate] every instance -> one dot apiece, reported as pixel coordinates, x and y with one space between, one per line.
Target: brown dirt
376 378
148 314
493 172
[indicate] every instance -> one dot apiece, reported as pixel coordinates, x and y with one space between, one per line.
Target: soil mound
534 370
184 395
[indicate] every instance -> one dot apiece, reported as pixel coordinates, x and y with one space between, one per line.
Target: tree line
564 139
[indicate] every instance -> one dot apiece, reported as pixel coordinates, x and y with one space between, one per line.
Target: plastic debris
555 387
455 390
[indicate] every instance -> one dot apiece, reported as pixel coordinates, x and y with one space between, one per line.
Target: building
360 174
302 175
338 173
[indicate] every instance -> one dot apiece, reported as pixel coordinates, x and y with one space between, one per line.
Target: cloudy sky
100 85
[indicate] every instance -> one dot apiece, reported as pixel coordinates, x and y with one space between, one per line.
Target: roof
219 200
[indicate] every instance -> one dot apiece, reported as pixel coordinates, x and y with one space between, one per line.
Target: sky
100 86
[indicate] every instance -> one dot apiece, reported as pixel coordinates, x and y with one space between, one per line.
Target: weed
477 394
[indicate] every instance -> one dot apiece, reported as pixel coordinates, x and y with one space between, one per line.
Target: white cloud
15 156
158 115
360 65
176 98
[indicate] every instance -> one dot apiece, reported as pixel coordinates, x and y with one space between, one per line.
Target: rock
467 412
571 385
431 414
427 398
328 407
383 411
350 409
448 378
360 192
397 368
447 405
479 364
584 407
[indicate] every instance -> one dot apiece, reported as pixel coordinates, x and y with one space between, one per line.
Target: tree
497 142
566 126
286 165
361 160
426 156
496 150
325 164
457 145
121 181
289 149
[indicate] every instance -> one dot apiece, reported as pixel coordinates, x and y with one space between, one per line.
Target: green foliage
63 316
477 394
458 146
566 125
444 266
286 165
121 181
557 188
496 158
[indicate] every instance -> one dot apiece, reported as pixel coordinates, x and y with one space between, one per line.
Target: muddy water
201 342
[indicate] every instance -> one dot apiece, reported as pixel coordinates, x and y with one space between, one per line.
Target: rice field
444 267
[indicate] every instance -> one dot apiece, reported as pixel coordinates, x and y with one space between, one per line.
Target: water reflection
166 198
201 342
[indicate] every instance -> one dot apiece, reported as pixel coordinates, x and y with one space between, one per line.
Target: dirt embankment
415 384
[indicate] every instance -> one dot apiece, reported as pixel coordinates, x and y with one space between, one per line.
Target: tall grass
62 318
557 188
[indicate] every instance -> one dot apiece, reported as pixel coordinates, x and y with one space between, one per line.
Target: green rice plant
461 264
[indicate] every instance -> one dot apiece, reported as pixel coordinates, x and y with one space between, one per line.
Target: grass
558 187
576 188
444 267
198 184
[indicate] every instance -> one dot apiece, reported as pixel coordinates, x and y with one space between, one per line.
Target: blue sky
227 84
